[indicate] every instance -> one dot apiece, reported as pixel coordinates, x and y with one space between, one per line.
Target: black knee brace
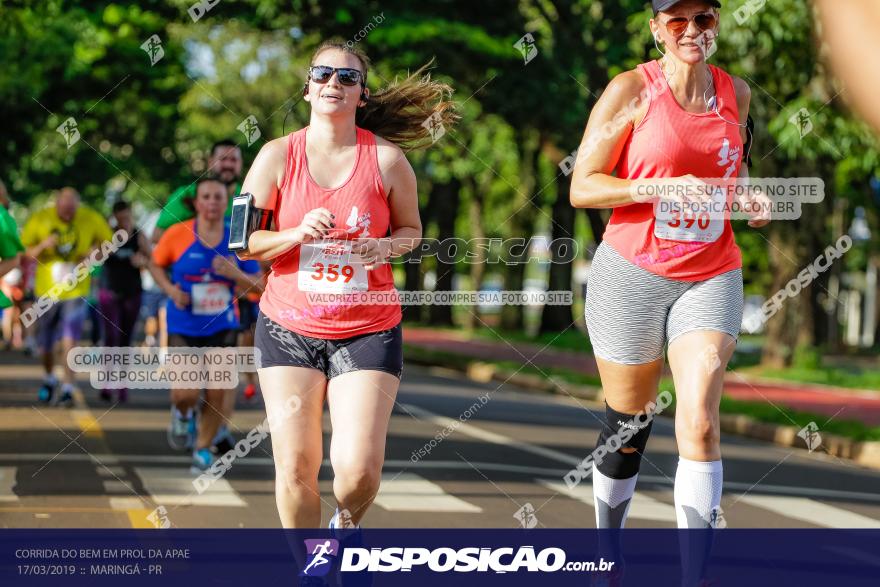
622 431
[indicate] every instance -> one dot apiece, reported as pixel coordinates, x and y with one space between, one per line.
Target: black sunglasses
346 75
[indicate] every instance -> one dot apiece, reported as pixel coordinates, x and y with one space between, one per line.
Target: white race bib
702 224
60 270
330 267
210 299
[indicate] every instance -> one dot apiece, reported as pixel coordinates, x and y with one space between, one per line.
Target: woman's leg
702 327
626 310
294 399
698 360
629 390
360 409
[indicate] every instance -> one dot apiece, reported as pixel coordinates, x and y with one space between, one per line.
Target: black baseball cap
661 5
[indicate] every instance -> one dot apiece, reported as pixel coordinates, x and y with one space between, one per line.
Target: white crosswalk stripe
643 506
408 492
173 486
810 510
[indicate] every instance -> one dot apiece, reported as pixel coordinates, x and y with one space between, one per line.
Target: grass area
853 378
571 340
758 410
746 361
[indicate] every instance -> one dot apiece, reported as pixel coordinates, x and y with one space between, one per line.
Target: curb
866 454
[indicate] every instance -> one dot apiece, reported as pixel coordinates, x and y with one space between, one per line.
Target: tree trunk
522 224
444 202
477 266
559 318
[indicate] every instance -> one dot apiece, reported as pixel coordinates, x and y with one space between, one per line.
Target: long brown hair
401 111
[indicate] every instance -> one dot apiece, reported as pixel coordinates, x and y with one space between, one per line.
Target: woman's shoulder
388 153
625 86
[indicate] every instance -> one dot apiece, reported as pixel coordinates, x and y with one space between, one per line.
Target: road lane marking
643 506
138 518
809 510
84 418
475 432
173 486
408 492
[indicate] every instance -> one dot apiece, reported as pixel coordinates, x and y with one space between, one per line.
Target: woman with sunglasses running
664 281
345 202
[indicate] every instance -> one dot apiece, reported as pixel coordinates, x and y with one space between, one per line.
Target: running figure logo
358 222
727 155
526 516
526 46
68 129
322 552
153 48
249 129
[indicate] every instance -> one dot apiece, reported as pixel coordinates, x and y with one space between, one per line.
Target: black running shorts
375 351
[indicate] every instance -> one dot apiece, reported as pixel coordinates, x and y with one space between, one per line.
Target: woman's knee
357 476
697 427
298 470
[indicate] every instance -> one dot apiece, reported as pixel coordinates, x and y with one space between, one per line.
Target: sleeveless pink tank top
325 267
671 142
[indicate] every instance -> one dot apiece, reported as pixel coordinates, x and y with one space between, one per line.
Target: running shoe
181 431
202 460
65 400
46 392
223 440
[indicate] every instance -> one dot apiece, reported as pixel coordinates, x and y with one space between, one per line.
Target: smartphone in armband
240 222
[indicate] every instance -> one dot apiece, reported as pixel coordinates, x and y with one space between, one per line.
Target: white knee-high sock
697 492
697 501
611 498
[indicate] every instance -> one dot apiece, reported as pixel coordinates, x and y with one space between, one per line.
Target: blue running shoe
181 431
202 460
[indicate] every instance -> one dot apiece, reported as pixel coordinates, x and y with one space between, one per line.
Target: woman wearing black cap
656 282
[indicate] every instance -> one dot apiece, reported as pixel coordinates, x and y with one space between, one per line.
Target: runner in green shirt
10 244
225 162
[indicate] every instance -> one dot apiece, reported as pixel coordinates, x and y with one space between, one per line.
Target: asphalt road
103 466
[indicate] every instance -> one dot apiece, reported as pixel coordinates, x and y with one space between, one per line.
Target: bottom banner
426 557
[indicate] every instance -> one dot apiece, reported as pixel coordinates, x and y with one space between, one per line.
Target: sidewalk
834 402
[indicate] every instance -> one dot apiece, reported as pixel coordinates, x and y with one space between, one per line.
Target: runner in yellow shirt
62 238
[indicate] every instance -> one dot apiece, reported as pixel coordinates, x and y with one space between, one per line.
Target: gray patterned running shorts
632 313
